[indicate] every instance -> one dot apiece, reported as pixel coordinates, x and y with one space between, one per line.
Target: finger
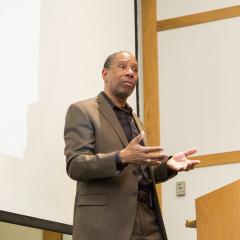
151 162
190 165
190 152
152 149
139 137
159 157
195 162
147 160
155 163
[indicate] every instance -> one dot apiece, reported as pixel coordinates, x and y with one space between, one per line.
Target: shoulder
81 109
84 105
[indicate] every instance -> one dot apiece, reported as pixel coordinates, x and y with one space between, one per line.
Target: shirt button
134 172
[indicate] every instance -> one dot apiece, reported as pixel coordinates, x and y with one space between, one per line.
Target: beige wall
12 231
176 8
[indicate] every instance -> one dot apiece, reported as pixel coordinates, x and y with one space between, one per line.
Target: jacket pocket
92 200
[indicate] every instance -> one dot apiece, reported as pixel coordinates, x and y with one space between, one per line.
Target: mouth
128 84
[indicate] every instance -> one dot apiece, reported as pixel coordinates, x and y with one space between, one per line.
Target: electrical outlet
180 188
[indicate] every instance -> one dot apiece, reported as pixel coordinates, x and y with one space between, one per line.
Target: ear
104 75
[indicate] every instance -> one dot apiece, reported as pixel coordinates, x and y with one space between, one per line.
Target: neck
119 102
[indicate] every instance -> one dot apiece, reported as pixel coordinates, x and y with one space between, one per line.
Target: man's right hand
134 153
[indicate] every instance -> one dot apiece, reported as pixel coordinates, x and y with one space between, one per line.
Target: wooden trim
198 18
28 221
218 158
150 75
217 213
48 235
150 72
136 52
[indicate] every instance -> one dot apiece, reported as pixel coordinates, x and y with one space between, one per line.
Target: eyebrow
126 60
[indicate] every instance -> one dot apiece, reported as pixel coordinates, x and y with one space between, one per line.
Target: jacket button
134 172
135 193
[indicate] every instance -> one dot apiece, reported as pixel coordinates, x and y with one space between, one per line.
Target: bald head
120 74
110 58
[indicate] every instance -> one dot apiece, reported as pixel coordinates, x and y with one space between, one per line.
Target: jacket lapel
140 127
150 176
106 109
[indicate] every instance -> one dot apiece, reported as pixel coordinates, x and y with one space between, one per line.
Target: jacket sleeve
162 173
82 162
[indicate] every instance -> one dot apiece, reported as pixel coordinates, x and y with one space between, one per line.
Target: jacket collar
106 109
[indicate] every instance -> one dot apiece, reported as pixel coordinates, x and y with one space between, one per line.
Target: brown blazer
106 201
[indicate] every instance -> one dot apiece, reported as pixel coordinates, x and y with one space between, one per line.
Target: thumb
138 138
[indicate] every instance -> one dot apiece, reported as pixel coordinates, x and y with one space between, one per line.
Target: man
116 172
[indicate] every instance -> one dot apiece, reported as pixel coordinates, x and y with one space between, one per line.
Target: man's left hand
180 162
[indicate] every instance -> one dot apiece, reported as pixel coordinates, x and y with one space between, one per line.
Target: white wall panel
176 8
199 82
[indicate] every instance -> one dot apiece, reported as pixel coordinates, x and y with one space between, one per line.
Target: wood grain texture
218 158
150 72
49 235
218 214
198 18
150 75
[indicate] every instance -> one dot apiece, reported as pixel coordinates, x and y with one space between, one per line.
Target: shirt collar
126 108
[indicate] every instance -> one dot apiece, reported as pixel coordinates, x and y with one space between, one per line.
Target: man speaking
116 172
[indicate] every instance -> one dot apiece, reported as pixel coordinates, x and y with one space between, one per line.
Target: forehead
125 57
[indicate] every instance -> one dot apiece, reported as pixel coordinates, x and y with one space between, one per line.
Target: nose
130 72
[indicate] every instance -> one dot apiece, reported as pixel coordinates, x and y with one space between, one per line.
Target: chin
123 95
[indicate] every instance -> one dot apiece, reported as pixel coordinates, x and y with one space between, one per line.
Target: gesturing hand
136 154
180 162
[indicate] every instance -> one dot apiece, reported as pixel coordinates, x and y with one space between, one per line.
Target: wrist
122 157
119 164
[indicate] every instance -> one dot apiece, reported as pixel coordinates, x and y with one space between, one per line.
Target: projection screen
52 54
